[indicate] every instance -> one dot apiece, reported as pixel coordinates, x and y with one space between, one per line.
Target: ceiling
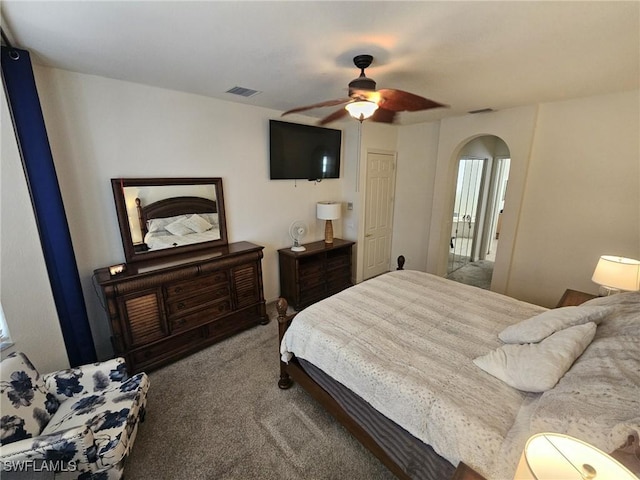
468 55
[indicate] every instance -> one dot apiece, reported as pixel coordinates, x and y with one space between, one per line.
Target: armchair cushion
76 382
111 414
26 405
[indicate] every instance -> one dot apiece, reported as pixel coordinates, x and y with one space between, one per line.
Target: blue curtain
51 219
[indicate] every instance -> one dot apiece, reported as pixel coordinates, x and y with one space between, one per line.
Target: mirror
160 217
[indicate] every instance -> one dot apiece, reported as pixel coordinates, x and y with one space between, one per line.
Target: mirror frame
131 256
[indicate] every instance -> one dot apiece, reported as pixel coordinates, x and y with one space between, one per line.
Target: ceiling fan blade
401 101
337 115
328 103
383 115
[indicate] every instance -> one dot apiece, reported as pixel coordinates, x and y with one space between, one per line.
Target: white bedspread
410 356
405 342
163 239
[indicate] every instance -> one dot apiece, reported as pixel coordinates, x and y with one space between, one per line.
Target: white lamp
616 273
553 456
328 211
361 109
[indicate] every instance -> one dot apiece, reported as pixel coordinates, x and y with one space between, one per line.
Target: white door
378 224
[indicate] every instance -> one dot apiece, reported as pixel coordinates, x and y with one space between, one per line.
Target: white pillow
158 224
212 218
539 327
178 228
196 223
537 367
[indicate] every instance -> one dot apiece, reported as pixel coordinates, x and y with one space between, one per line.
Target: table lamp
615 274
553 456
328 211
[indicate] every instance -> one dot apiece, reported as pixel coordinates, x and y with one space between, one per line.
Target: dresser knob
177 289
180 306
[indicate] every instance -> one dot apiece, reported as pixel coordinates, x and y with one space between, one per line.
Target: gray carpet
477 273
219 414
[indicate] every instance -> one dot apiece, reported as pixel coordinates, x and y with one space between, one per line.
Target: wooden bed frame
293 371
170 207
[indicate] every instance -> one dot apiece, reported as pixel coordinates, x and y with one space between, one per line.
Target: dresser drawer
310 283
183 305
200 317
186 288
235 322
167 348
312 294
309 267
338 286
338 260
340 276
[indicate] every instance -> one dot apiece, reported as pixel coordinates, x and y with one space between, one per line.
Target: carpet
477 273
219 414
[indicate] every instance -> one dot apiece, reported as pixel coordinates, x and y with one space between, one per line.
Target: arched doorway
480 188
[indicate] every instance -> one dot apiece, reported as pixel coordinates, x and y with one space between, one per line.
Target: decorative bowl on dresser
164 310
315 273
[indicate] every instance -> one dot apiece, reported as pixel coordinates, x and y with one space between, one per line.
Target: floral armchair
75 424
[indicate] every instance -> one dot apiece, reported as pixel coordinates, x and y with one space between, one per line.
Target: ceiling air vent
243 92
482 110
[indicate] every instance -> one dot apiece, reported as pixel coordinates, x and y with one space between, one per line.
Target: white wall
582 198
573 194
415 178
101 128
25 292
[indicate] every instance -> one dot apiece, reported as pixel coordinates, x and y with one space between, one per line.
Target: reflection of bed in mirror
146 206
177 221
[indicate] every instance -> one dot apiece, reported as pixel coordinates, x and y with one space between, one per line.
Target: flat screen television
303 152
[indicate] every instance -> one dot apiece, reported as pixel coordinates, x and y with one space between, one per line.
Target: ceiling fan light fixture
361 109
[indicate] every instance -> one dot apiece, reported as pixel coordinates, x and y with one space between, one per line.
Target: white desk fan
297 231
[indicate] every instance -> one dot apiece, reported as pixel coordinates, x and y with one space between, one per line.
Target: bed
178 221
394 360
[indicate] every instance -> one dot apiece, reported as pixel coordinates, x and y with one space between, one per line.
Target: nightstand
572 298
465 472
316 273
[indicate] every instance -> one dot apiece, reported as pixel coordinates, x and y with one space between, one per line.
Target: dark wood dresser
316 273
164 310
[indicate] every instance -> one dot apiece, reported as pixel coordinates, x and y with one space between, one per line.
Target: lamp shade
617 272
362 109
553 456
328 210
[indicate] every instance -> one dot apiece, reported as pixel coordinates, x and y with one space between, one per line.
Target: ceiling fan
365 101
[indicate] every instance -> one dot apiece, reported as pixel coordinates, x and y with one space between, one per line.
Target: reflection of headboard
170 207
